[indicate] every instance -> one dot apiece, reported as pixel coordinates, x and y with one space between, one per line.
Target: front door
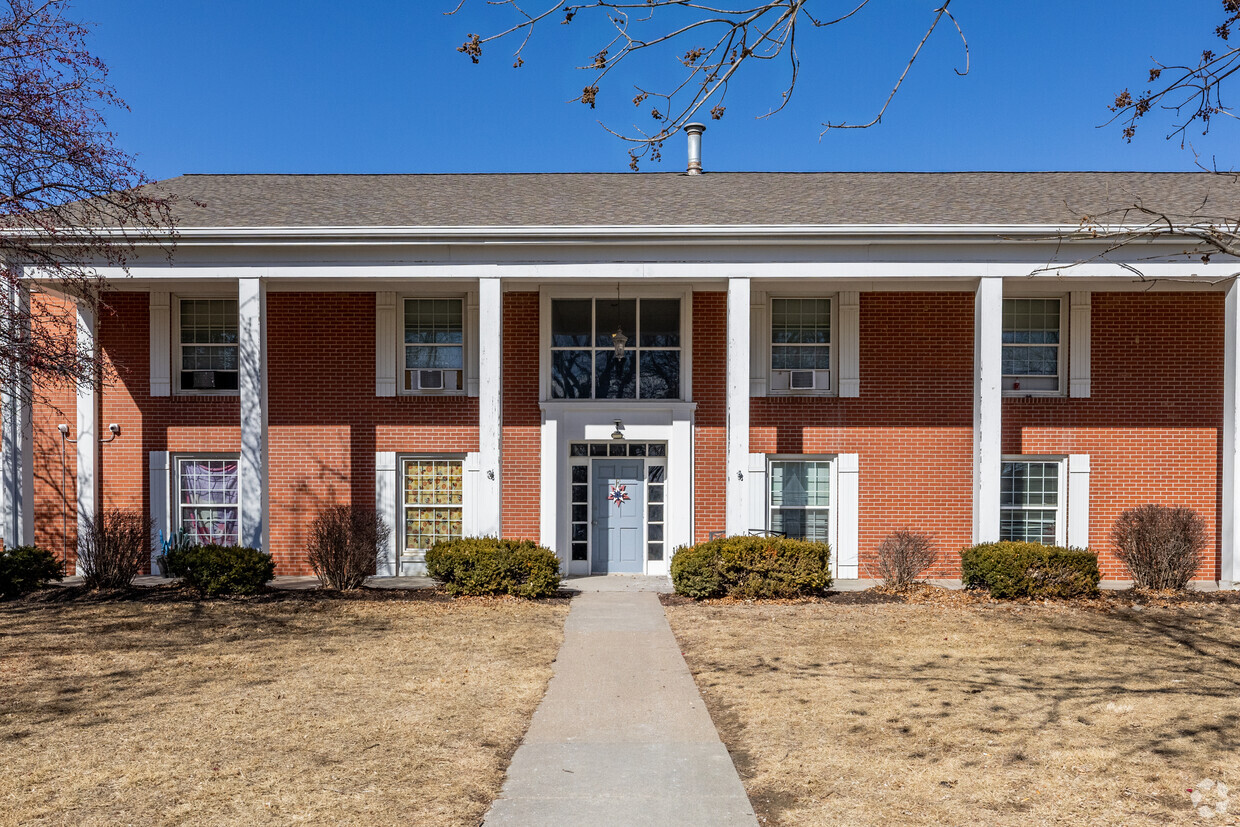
617 518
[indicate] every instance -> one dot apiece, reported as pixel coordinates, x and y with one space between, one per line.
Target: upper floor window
615 348
800 345
434 345
208 345
1032 355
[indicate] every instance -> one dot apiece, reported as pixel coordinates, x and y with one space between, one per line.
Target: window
208 345
799 505
432 502
1032 355
584 364
208 506
1029 504
800 345
434 345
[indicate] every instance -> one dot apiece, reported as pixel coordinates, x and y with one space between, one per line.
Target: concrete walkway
622 736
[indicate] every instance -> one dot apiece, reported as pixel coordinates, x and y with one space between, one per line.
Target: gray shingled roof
720 198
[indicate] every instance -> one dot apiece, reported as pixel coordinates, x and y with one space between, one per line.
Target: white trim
833 362
473 342
1062 508
385 505
849 347
87 425
1229 572
1063 350
160 343
175 345
737 400
396 342
987 407
252 387
490 406
161 502
17 453
387 337
847 547
471 495
1080 314
1078 500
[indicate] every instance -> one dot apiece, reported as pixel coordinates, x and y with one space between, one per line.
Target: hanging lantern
618 341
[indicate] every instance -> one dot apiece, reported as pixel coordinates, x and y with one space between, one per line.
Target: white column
87 423
737 461
17 451
252 338
552 518
1230 572
987 407
491 405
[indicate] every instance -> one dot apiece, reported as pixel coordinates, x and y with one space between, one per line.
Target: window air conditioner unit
801 380
204 380
429 380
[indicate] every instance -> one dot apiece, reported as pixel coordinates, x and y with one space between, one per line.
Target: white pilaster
490 404
252 338
17 451
987 407
737 460
385 504
87 423
1230 570
160 335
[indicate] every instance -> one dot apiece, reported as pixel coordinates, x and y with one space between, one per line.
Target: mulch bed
176 593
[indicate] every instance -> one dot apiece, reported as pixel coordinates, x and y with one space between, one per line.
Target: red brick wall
710 426
522 465
54 405
912 424
1152 423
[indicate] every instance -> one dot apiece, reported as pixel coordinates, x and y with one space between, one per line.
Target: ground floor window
1030 501
799 499
432 501
208 503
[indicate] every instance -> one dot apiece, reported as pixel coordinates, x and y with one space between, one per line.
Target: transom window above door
615 349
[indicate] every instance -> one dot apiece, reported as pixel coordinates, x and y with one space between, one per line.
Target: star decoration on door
618 494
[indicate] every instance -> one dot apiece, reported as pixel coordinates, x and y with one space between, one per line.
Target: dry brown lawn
290 712
1005 715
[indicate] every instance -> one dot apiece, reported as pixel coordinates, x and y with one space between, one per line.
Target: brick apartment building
617 365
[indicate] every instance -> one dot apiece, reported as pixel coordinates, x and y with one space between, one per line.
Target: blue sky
324 86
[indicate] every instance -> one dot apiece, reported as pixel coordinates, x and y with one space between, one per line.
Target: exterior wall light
619 432
618 341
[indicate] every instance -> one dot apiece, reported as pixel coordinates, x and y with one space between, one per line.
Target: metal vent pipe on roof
694 131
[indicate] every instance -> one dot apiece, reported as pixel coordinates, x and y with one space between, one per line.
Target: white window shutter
473 343
385 504
161 344
759 347
850 343
161 504
385 343
471 493
757 491
1078 344
848 505
1078 500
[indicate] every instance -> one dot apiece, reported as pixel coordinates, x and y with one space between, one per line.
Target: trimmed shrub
345 544
26 568
113 548
213 570
752 567
903 555
1009 569
176 540
487 565
1162 546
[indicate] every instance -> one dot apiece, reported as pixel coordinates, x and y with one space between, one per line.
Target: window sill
205 397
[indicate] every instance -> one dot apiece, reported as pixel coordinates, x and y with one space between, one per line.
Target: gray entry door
616 502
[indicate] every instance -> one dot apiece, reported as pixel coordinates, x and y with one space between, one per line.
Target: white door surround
565 422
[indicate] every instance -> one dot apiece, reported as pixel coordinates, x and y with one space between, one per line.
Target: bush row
487 566
752 567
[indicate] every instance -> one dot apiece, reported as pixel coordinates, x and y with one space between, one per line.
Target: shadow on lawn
1149 688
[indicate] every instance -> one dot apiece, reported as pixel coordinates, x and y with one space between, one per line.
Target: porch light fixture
618 341
619 432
